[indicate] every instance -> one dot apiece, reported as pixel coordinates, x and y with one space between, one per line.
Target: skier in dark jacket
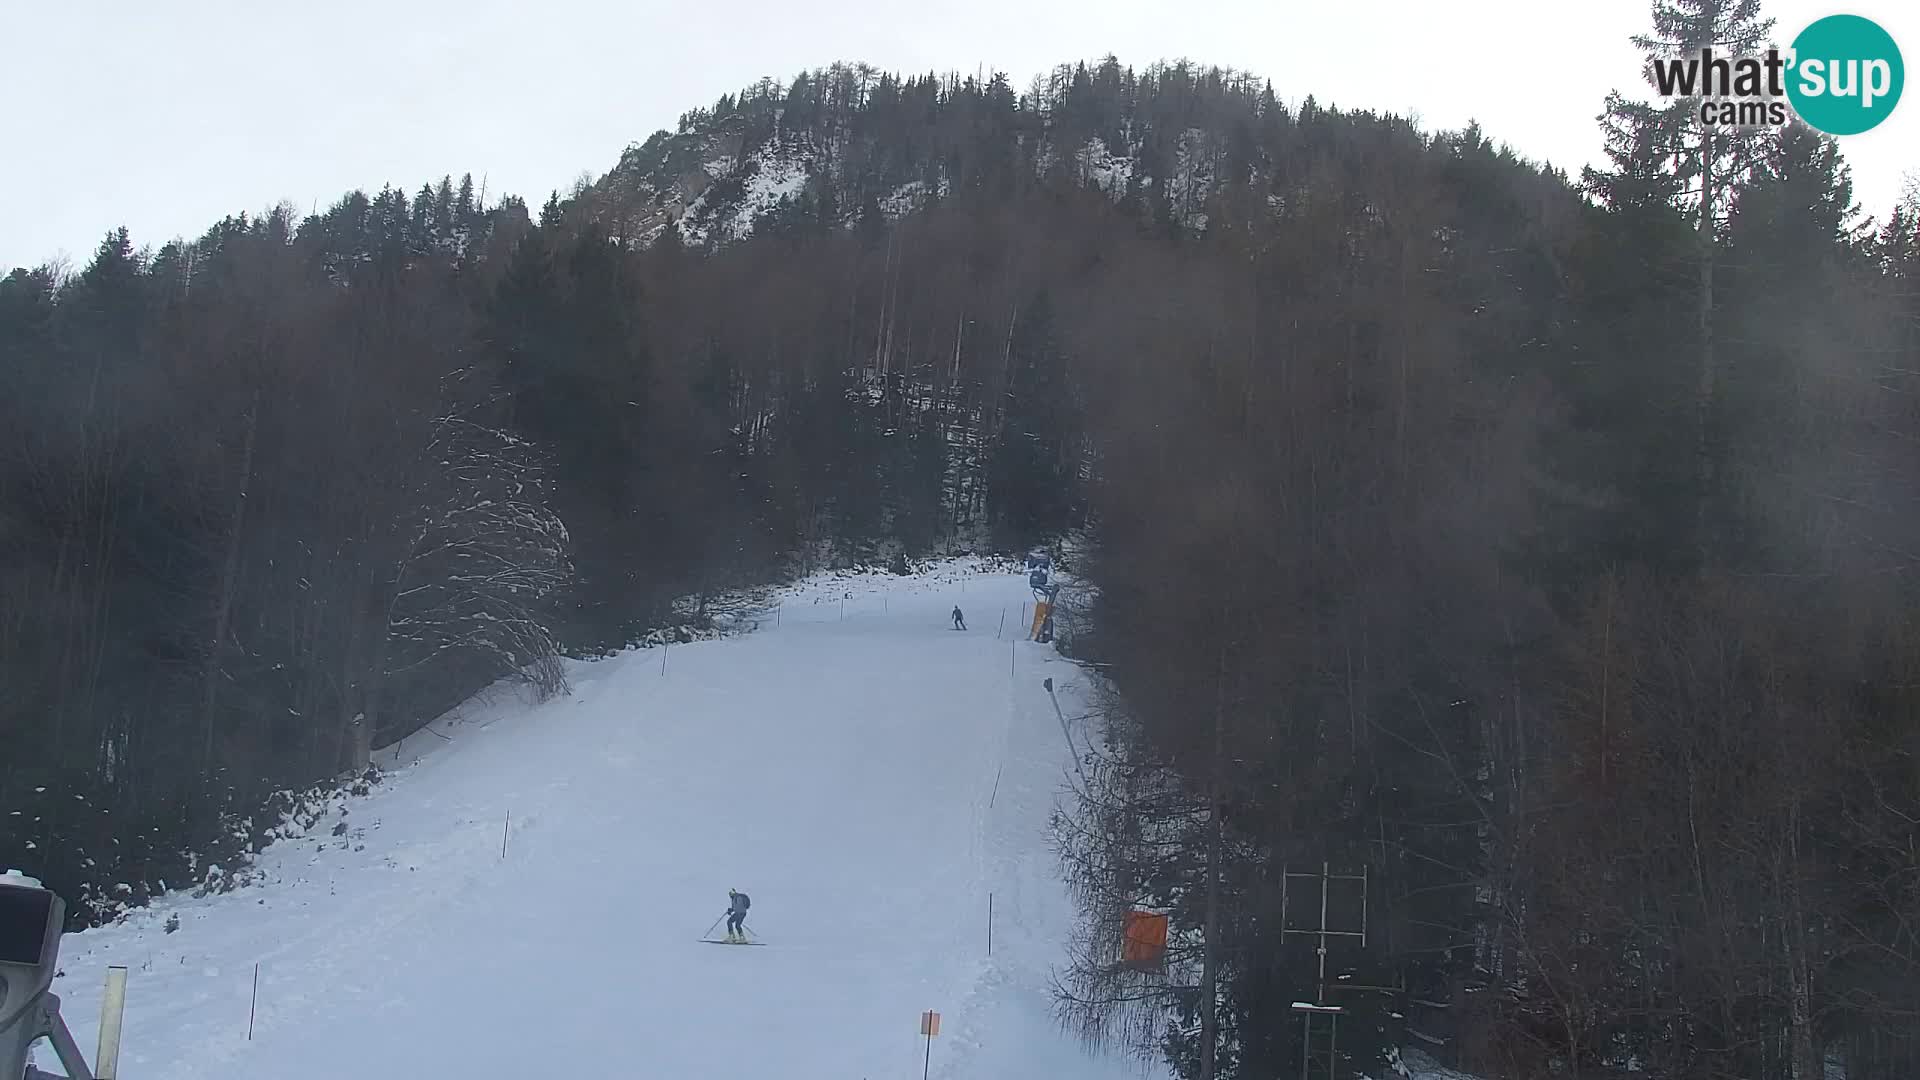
737 905
959 620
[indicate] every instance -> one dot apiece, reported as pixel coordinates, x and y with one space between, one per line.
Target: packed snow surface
868 775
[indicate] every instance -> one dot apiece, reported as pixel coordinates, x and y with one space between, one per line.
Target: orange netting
1146 938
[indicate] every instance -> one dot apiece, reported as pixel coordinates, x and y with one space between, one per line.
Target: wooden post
106 1060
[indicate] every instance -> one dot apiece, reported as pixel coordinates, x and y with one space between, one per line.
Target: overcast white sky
166 116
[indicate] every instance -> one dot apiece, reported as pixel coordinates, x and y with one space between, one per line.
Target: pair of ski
710 941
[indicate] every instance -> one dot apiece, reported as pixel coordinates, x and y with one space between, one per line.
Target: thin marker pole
255 1003
989 924
504 827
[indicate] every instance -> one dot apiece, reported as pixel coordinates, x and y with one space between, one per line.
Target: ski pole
716 922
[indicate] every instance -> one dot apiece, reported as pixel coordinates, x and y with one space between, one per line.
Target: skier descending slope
737 905
959 620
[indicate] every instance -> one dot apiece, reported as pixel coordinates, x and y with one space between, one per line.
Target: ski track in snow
839 764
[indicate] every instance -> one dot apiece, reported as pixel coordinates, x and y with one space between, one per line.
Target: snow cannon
31 917
30 921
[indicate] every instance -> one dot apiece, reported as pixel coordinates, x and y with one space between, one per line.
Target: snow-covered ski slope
866 773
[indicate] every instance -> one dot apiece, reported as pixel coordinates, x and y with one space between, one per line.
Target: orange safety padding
1146 937
1040 612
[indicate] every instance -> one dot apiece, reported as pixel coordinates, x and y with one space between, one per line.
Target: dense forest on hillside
1541 548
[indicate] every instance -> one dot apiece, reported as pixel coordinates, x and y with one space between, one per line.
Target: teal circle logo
1846 75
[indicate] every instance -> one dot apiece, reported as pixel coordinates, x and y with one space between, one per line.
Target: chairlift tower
1320 1018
